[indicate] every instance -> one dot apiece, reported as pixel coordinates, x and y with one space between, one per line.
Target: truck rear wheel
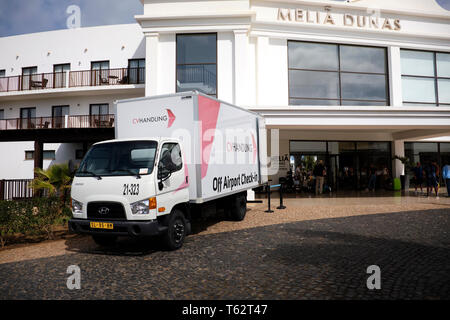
238 207
105 241
176 231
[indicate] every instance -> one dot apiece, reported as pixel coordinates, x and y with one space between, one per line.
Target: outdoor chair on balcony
104 81
39 84
124 80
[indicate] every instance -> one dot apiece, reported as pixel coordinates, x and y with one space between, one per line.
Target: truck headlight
77 206
140 207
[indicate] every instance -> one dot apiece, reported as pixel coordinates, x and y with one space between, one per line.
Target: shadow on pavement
126 246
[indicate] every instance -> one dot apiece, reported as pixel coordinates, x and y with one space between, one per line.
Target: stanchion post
281 206
268 199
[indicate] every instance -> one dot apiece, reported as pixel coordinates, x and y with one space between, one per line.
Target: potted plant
404 178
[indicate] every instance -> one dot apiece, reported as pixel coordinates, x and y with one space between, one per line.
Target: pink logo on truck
171 118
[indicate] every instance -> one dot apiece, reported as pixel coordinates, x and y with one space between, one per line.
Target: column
262 76
151 64
38 154
241 73
395 77
398 149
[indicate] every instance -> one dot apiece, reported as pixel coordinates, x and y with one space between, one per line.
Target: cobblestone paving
316 259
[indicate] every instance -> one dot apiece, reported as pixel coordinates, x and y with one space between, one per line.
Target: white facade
252 63
79 47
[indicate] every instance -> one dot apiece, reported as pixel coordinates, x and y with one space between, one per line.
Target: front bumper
121 228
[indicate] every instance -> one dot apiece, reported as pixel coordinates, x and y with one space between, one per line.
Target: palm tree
56 180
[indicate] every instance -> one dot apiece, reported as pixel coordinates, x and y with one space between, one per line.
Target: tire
238 207
173 239
105 241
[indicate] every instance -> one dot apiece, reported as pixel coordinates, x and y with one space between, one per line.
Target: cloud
28 16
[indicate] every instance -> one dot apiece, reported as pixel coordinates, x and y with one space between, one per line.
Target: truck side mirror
165 167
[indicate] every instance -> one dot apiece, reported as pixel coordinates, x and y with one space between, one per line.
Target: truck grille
106 211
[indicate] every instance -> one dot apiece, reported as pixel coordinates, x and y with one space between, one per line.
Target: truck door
172 180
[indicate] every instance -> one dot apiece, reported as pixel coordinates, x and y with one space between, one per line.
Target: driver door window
170 160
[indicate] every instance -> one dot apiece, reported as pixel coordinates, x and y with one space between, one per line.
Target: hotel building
350 82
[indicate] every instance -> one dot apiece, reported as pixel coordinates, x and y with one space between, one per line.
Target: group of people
430 173
316 175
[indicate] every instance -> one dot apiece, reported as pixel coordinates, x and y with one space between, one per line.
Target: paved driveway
311 259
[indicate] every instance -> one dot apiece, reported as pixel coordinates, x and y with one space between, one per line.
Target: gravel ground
297 209
314 259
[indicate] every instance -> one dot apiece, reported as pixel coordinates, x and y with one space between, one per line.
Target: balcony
65 122
73 79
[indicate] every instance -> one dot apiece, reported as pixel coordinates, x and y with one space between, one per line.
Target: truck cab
132 187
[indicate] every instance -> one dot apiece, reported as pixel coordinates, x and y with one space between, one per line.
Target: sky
28 16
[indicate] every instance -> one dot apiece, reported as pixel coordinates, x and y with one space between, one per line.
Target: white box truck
174 156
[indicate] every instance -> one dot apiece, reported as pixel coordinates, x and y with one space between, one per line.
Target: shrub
35 216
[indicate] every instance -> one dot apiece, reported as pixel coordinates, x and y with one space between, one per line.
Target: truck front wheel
176 231
105 241
238 207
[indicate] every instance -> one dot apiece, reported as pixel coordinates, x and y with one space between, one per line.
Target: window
119 159
100 65
197 63
136 71
170 154
2 114
27 118
99 115
2 73
99 73
58 115
79 154
61 67
99 109
425 78
47 155
331 74
29 75
59 74
29 71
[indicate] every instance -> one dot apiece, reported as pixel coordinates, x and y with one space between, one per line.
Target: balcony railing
85 78
33 82
82 121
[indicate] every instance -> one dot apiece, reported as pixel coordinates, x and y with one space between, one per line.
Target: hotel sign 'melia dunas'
369 20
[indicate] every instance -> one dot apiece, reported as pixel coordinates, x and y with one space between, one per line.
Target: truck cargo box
224 145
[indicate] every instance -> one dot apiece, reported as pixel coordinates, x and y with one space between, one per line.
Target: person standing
430 174
418 177
437 175
319 174
372 177
446 177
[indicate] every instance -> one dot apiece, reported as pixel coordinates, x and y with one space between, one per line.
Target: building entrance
348 164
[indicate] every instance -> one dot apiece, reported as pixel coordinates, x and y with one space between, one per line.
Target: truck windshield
119 159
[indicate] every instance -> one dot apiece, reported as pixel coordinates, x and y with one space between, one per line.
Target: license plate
101 225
